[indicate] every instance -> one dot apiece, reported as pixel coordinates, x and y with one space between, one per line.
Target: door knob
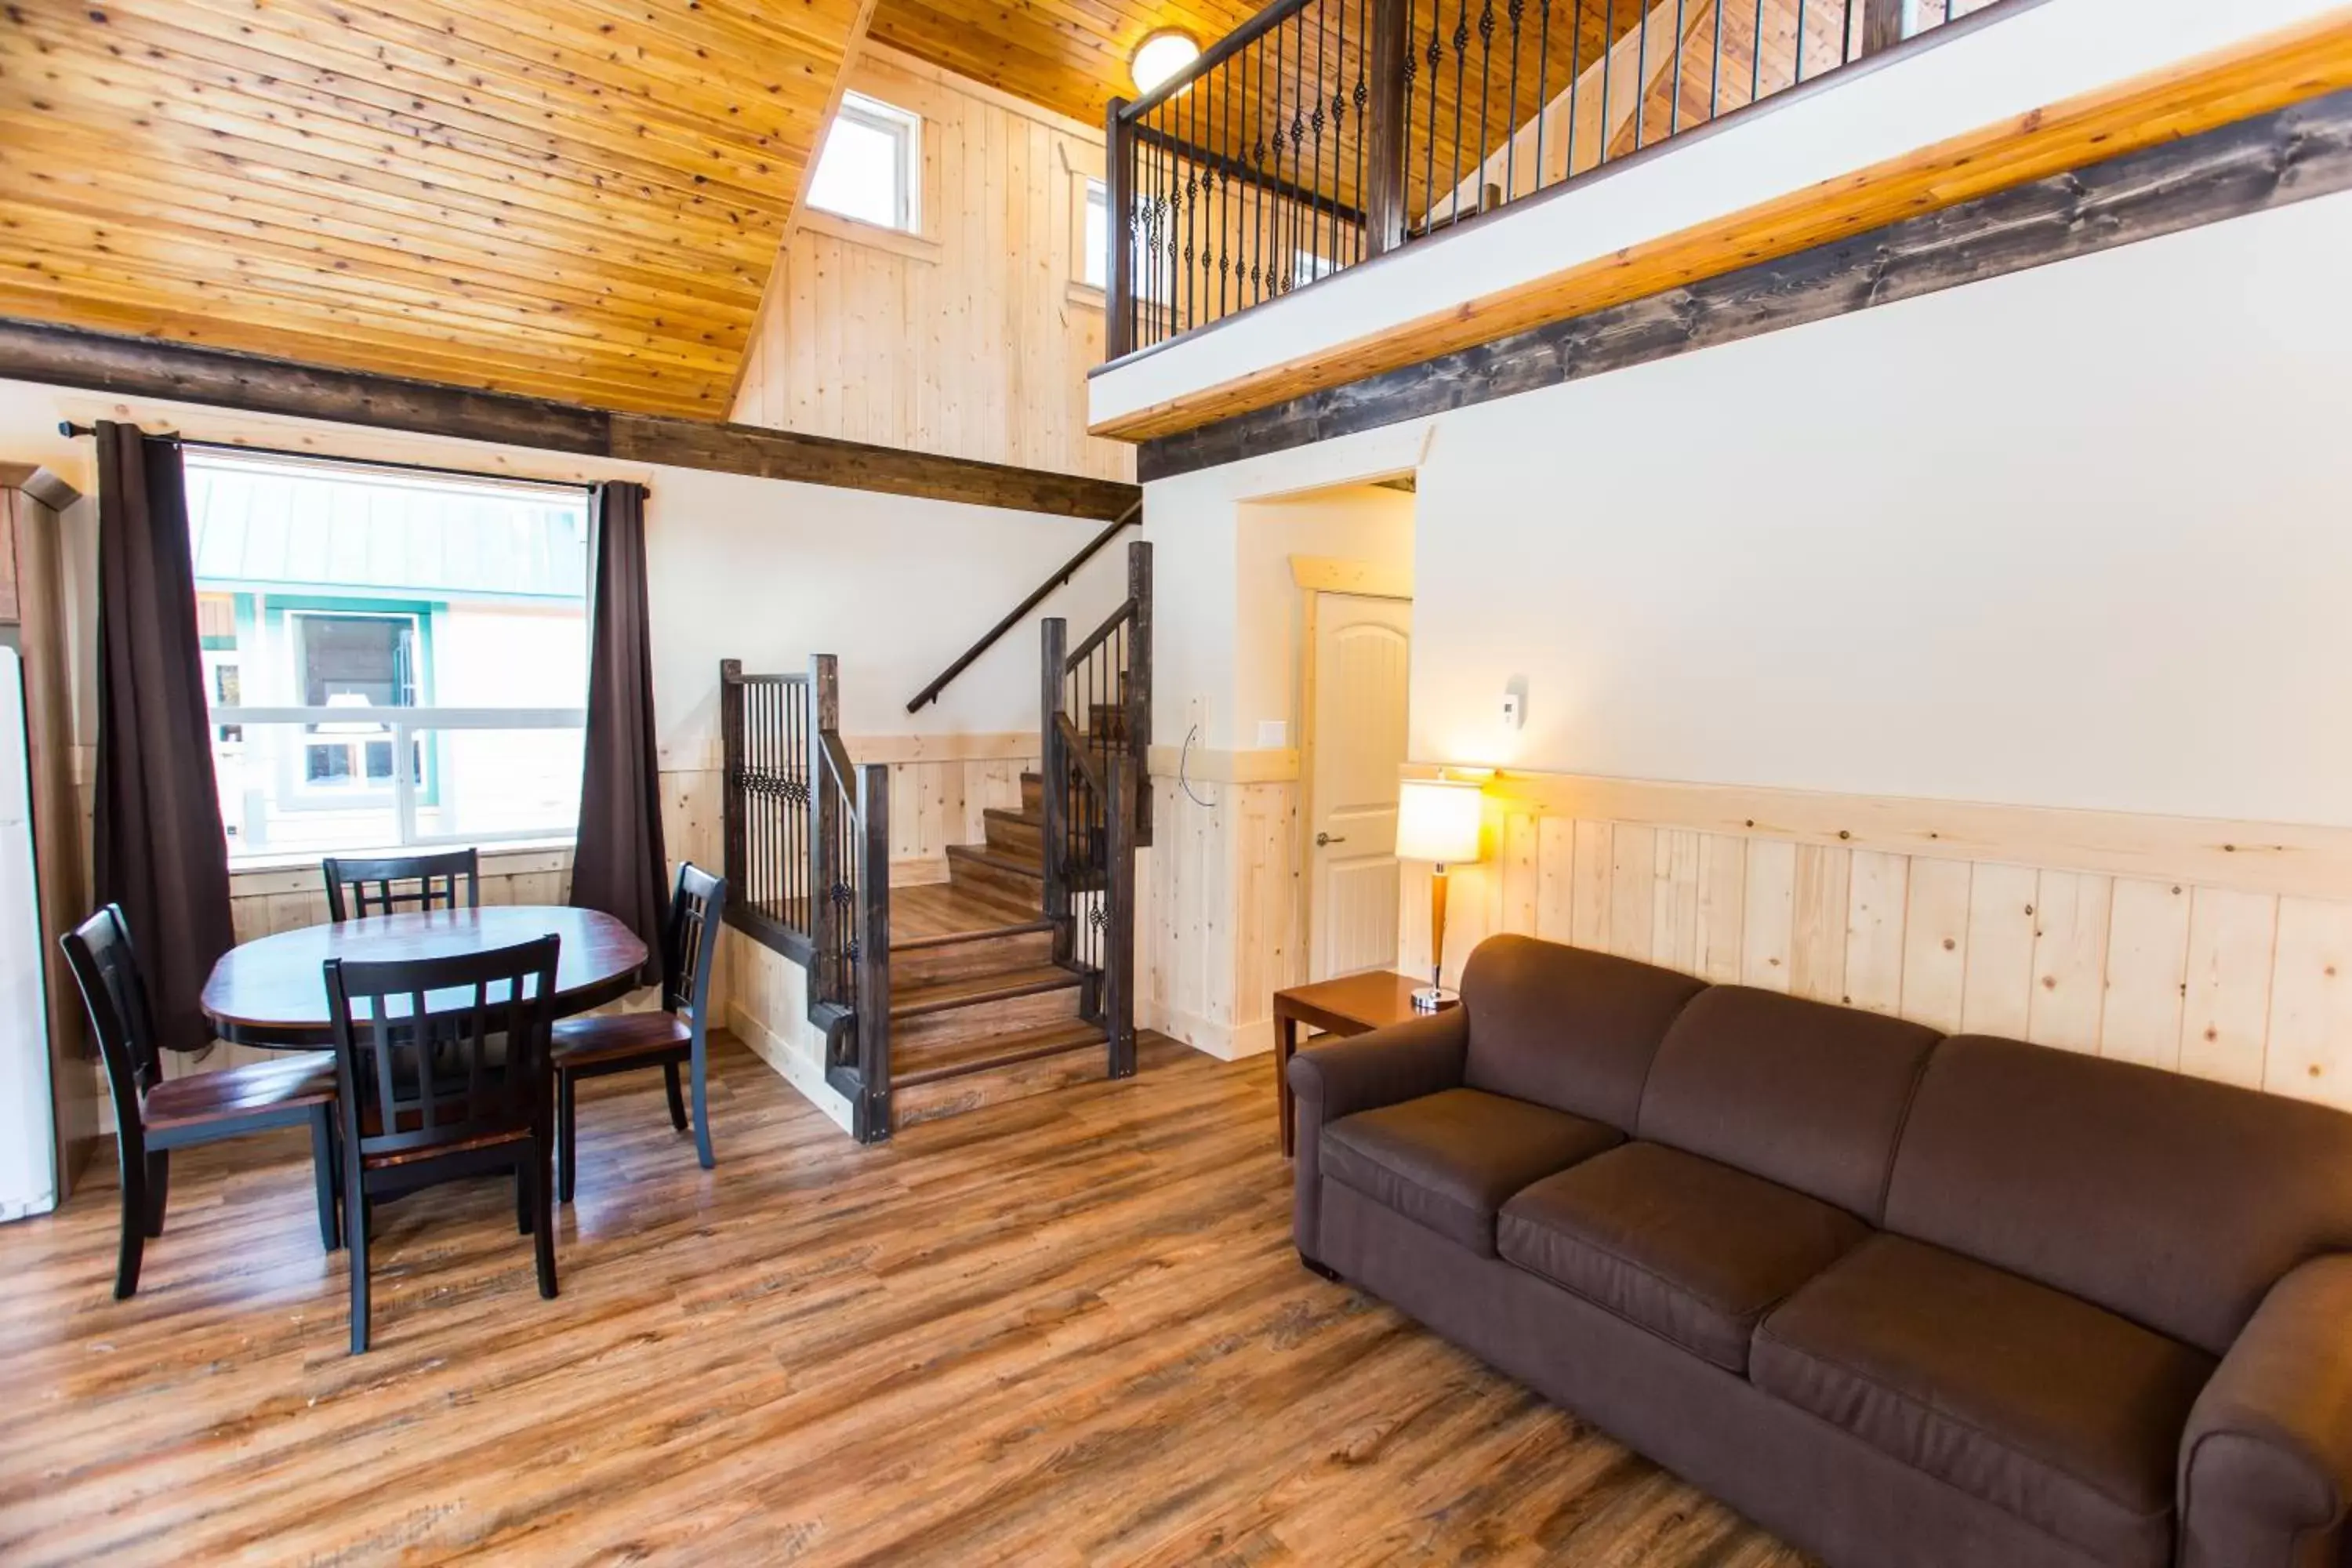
1323 838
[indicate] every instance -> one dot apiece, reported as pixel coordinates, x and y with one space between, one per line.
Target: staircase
1015 975
980 1010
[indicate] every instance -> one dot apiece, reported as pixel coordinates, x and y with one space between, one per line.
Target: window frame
269 645
905 129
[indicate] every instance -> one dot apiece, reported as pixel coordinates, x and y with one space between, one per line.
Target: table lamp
1437 821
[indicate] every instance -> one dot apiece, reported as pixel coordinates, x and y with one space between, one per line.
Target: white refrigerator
28 1144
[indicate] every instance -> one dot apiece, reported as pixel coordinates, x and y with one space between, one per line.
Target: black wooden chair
675 1037
154 1116
404 883
468 1094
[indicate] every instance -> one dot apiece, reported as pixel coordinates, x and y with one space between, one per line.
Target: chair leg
159 1188
356 1226
567 1136
701 1078
523 1205
676 1100
323 1173
542 1187
134 1228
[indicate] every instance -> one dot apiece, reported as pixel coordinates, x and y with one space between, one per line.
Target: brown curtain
619 865
160 850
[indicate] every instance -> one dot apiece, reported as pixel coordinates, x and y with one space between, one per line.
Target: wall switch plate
1272 734
1515 708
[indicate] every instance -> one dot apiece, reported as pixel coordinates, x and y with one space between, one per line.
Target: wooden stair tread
972 991
998 860
951 1057
1004 814
934 909
983 934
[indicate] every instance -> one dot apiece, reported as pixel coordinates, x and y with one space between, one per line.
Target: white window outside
1097 256
870 166
391 659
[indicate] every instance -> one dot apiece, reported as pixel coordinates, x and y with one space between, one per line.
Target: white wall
759 570
2074 537
2033 59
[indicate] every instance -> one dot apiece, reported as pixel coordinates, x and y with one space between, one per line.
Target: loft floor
1068 1329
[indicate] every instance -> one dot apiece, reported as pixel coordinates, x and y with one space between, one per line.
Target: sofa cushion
1693 1251
2060 1413
2175 1202
1802 1093
1449 1160
1565 1026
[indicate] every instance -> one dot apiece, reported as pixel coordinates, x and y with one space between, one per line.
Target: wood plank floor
1067 1330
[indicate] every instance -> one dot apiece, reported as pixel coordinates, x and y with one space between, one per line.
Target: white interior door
1363 654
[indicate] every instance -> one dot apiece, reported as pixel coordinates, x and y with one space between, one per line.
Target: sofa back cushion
1802 1093
1565 1026
2169 1200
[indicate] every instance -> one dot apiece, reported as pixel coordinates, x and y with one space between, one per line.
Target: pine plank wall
972 338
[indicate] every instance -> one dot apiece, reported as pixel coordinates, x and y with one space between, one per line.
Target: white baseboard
1227 1042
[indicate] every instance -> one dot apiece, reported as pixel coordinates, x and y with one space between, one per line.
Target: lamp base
1429 998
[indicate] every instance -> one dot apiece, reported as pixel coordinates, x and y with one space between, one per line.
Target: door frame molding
1316 576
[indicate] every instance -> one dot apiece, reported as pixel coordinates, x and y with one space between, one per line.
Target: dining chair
154 1115
383 887
676 1035
467 1093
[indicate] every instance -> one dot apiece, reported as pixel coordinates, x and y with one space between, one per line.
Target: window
1095 260
391 659
868 167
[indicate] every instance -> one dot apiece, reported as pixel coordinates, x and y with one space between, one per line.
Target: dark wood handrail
1100 635
1073 742
1068 569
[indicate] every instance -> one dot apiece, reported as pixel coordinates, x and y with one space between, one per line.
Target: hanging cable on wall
1185 783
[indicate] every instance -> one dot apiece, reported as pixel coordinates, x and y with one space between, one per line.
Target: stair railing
1097 807
1068 569
808 865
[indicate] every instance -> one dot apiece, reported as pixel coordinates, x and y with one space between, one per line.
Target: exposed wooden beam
2250 78
2272 160
146 367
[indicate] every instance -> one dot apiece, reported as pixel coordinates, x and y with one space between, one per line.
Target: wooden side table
1351 1004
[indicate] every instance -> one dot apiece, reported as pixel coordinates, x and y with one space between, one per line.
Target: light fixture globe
1162 54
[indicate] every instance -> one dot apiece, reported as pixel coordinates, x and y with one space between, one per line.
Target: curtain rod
67 428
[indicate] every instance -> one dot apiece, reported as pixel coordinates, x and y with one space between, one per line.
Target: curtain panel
160 851
619 865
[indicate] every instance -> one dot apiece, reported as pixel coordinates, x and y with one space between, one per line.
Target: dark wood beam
2269 161
147 367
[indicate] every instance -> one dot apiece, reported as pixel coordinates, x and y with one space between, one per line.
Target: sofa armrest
1386 1066
2266 1461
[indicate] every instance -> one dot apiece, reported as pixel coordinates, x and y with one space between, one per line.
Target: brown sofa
1899 1298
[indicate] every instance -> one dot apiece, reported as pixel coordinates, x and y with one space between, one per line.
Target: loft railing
807 851
1322 133
1096 730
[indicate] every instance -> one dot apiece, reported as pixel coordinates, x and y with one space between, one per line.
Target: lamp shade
1437 820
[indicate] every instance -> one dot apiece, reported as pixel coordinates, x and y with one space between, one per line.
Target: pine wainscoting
2219 948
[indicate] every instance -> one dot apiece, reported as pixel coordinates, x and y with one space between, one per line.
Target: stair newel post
872 966
1137 684
825 821
730 775
1118 926
1055 766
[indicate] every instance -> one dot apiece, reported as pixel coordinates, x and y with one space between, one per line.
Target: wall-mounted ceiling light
1163 55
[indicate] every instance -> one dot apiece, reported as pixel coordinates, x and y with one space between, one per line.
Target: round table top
272 991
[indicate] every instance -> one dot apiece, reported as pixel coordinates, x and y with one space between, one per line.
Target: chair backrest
478 1067
114 989
690 939
383 887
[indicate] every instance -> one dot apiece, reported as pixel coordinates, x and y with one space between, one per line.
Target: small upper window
868 167
1096 257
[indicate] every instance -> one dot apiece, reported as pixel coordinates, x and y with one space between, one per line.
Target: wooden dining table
272 991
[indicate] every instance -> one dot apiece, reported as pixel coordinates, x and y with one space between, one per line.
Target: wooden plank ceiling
579 200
